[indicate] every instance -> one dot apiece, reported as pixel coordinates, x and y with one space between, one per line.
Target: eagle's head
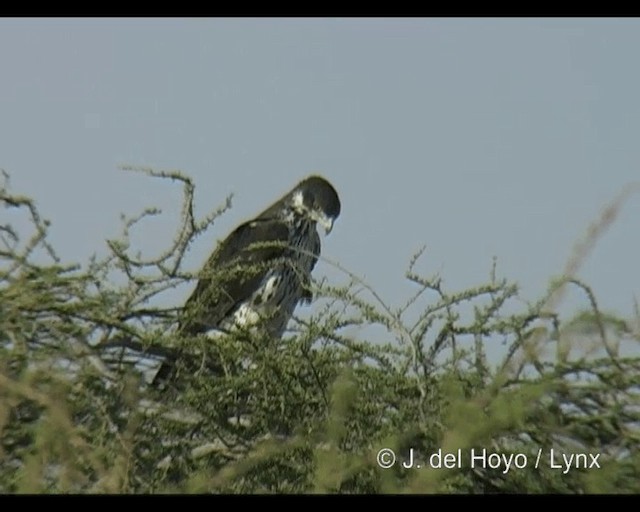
316 199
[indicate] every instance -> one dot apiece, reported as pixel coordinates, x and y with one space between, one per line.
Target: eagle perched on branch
256 276
259 274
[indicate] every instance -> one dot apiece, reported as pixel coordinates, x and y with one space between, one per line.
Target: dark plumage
257 276
262 270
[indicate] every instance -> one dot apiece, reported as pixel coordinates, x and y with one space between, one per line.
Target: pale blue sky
476 137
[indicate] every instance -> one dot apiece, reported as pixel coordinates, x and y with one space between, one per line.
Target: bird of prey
257 276
260 272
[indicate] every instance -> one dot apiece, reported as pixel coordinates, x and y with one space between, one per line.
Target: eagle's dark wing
233 272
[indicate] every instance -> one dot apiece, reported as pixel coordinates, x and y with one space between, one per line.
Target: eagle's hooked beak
321 218
326 223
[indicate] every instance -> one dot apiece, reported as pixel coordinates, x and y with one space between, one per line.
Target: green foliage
310 412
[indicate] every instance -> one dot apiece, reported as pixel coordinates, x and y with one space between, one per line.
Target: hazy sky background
476 137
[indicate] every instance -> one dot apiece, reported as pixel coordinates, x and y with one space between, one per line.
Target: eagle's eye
310 200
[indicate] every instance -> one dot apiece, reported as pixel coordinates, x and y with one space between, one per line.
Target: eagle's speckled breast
284 286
